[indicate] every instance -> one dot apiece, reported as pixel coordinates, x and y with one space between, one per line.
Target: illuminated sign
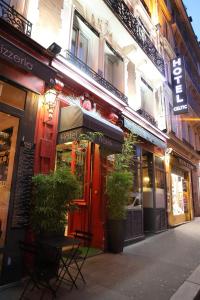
180 104
23 60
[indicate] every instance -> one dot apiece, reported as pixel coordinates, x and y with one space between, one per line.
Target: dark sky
193 10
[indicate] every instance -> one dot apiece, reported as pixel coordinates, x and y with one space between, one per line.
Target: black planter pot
115 235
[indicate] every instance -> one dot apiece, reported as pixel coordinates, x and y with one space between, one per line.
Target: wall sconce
50 100
158 26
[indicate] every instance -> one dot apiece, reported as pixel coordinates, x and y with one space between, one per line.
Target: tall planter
119 186
115 235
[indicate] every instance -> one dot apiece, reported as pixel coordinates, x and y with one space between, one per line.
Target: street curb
190 289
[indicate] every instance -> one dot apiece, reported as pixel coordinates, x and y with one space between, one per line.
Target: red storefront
25 74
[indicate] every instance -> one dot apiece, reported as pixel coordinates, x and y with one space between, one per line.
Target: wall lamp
50 97
50 101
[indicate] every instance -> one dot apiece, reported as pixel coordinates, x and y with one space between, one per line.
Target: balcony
11 16
98 78
137 31
146 7
182 28
194 78
147 116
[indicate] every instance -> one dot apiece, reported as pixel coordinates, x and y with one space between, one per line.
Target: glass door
8 138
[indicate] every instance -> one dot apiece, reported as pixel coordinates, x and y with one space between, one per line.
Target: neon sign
180 103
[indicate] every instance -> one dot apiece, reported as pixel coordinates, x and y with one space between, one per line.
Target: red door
85 162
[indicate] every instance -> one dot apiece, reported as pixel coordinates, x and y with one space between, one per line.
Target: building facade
181 49
89 66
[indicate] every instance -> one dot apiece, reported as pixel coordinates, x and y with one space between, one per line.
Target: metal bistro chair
76 259
40 266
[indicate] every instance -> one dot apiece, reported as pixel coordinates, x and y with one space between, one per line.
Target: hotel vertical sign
180 103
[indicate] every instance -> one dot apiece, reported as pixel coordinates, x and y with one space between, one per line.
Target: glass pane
8 138
109 68
83 48
12 96
177 194
73 155
74 41
146 94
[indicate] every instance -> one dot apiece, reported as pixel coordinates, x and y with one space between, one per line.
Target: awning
145 134
74 120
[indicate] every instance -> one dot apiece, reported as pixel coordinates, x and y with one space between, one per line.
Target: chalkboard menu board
22 198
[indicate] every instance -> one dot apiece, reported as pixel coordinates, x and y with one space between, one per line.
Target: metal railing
135 28
194 78
11 16
97 77
147 116
146 7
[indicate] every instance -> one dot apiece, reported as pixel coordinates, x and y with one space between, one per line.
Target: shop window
147 179
12 95
73 155
8 139
160 183
136 168
177 194
147 170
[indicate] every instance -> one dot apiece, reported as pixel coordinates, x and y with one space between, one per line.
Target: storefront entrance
86 158
8 139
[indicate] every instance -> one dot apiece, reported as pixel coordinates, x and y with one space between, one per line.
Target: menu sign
180 104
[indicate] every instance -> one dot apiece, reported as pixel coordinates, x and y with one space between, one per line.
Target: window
12 96
147 97
190 135
147 170
172 120
79 46
160 182
7 1
73 155
113 65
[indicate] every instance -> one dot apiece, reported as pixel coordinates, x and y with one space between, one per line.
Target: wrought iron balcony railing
10 15
135 28
182 28
146 7
147 116
194 78
97 77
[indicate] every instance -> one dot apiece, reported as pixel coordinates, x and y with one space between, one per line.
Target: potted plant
53 196
119 185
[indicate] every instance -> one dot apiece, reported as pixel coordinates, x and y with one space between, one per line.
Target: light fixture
54 48
158 26
168 151
50 100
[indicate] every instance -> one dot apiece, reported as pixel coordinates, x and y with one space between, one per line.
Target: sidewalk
162 267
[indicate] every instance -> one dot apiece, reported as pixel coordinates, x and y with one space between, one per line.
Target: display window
177 194
8 138
160 182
